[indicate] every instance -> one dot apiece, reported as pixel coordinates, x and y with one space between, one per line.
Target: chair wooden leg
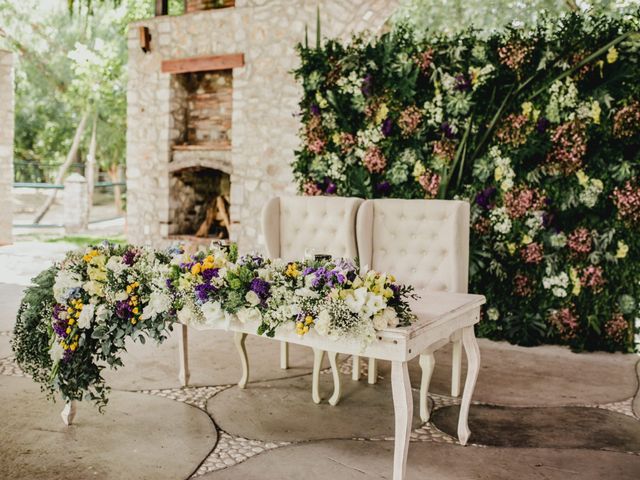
239 339
183 354
69 412
318 355
372 374
456 367
335 398
427 364
473 359
284 355
355 368
403 408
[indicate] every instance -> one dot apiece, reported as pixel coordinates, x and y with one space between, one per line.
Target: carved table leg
318 355
68 412
335 398
473 359
403 408
372 374
456 365
355 368
183 353
239 338
427 364
284 355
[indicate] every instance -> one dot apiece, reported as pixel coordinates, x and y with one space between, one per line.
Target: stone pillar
76 204
6 146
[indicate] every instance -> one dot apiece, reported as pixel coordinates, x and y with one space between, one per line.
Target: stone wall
264 124
6 145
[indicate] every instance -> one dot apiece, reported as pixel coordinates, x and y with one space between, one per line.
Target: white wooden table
441 316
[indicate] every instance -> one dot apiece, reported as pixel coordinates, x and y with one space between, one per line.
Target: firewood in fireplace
216 213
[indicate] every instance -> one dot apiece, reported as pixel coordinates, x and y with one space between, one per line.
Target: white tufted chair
424 243
326 225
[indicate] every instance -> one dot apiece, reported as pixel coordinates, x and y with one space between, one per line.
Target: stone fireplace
212 112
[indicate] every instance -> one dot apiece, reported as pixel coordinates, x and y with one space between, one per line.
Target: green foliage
538 128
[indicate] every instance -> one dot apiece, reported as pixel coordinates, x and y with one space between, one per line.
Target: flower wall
539 130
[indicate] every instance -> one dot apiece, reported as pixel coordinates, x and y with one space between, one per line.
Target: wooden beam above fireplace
203 64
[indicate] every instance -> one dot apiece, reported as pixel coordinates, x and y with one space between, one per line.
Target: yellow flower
623 249
382 113
583 179
511 247
595 112
133 321
527 108
129 289
308 320
612 55
498 173
526 240
419 169
135 310
69 310
300 328
336 138
575 280
305 330
195 270
72 321
73 347
322 102
68 330
475 74
292 270
388 293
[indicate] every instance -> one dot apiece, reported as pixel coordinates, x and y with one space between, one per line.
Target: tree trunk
73 152
114 175
90 171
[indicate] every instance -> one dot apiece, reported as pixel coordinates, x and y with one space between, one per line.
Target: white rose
248 315
185 315
252 298
86 315
213 313
379 321
391 316
122 296
322 323
56 352
65 282
159 302
115 265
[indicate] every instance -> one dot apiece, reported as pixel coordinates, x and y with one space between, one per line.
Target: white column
76 204
6 145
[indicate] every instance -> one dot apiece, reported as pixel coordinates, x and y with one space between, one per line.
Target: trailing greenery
538 128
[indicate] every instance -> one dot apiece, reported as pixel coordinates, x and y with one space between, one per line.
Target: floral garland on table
76 318
539 129
213 288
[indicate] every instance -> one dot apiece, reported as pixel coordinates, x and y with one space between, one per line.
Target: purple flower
463 84
169 284
315 109
210 273
129 257
542 125
123 309
203 290
387 127
331 188
261 288
483 198
367 85
383 188
447 130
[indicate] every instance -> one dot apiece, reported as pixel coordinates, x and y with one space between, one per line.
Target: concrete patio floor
539 412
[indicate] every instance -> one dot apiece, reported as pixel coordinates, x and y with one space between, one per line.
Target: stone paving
539 413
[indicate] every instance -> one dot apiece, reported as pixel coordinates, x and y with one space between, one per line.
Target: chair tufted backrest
325 224
424 243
